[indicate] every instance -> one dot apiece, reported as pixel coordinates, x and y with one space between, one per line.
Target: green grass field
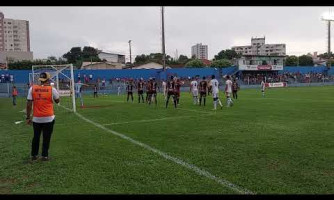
280 144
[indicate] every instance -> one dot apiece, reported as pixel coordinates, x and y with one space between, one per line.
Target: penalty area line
148 120
176 160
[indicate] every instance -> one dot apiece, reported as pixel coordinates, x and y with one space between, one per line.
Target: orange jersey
14 93
42 101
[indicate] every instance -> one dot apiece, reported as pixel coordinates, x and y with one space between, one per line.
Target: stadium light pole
163 38
328 17
130 53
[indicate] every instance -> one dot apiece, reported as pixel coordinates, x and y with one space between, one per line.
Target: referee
40 98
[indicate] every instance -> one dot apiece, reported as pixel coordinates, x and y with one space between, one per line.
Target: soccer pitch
280 144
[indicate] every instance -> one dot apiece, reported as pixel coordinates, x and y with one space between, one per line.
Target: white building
199 51
14 39
258 47
151 65
111 57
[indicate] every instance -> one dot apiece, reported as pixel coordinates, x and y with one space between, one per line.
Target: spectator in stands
12 78
2 78
7 78
90 77
103 83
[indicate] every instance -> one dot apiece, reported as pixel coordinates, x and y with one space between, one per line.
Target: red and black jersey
170 86
177 86
202 86
149 87
140 86
154 86
235 86
129 87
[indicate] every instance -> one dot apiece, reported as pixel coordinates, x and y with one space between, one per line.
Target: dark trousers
235 94
47 129
129 94
14 100
174 98
95 94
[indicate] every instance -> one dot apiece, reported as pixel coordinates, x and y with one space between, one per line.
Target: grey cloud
54 30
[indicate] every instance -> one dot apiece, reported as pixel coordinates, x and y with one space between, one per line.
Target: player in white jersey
164 88
215 91
228 91
194 90
78 91
263 87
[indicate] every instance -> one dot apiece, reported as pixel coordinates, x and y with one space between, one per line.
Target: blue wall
22 76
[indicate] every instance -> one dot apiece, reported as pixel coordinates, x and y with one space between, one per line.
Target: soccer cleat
33 158
45 158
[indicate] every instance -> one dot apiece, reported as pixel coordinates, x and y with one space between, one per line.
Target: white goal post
62 77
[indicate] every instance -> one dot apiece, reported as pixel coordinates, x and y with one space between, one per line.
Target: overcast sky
54 30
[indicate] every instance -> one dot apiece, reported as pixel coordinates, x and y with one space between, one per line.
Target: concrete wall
13 56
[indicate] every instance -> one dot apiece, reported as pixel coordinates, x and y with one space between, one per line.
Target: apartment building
199 51
14 40
259 47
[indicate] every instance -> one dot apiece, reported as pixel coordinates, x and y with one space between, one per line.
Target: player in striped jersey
129 89
171 91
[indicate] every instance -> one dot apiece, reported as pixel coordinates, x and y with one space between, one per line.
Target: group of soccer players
212 87
172 88
151 90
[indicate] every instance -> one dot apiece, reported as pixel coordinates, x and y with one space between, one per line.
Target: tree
195 63
221 63
305 60
227 54
325 55
73 55
153 57
183 59
291 61
76 56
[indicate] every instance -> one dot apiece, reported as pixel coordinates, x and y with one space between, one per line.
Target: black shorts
203 94
130 93
140 92
171 93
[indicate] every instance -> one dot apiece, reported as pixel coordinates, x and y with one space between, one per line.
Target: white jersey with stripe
229 86
263 86
215 85
194 85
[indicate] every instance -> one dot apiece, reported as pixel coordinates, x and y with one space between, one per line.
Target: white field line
204 112
148 120
192 167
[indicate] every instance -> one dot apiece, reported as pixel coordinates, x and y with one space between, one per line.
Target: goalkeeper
78 90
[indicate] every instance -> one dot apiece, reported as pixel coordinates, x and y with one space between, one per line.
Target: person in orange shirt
14 94
40 99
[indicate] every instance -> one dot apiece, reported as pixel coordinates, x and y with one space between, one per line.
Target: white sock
220 103
215 105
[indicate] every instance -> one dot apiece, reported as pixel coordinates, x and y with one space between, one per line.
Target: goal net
62 78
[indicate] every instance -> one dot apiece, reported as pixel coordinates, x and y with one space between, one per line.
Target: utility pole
130 53
163 39
329 17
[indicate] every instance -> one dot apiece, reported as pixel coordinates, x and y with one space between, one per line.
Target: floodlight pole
329 19
329 39
130 53
163 39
